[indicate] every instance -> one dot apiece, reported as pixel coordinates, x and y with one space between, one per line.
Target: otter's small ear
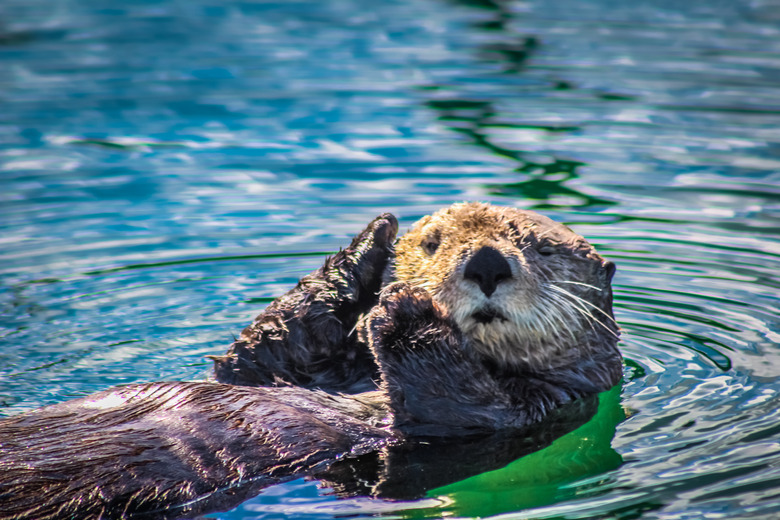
609 269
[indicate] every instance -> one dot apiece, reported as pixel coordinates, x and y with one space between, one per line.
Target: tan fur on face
558 292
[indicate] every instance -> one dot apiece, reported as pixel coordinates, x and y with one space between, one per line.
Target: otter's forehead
469 220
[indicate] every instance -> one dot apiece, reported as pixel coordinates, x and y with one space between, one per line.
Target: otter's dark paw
357 271
404 314
435 384
305 336
408 302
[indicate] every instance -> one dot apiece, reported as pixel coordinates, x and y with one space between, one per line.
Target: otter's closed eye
430 245
547 250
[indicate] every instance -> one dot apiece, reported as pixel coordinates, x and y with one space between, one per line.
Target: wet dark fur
170 450
136 450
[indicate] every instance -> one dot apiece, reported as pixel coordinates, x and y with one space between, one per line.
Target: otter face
526 291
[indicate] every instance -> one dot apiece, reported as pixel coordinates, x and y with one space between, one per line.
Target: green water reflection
543 182
551 475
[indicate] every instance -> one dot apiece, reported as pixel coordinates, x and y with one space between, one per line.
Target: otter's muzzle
487 268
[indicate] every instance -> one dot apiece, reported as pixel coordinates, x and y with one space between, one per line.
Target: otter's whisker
584 311
575 304
548 322
577 300
548 314
567 306
561 289
553 312
560 309
579 283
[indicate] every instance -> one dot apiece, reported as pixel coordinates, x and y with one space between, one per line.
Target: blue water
169 167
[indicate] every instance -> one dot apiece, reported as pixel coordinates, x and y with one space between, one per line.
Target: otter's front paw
305 336
402 308
435 384
406 318
357 271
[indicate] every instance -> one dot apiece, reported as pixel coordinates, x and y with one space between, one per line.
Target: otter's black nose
487 267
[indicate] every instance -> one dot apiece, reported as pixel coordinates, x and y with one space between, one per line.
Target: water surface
167 168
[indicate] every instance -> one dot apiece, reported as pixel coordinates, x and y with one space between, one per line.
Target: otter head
527 292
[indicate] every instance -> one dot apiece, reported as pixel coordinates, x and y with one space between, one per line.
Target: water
167 168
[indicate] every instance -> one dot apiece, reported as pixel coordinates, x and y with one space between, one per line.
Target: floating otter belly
480 319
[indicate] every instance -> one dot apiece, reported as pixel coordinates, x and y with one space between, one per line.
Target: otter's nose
487 267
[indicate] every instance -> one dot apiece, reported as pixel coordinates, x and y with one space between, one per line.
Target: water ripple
167 170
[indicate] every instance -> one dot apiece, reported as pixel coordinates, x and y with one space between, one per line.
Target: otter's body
488 318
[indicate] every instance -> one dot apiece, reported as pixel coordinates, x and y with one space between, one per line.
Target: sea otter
514 311
480 319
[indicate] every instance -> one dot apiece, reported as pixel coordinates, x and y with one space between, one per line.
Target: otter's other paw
358 269
435 382
408 318
305 336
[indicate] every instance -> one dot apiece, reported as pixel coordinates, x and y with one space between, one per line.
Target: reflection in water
541 478
544 181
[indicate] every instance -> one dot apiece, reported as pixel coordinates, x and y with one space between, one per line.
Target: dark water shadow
10 37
